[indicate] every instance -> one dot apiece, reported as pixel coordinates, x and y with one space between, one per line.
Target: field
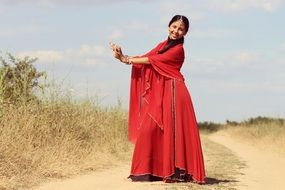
63 138
56 137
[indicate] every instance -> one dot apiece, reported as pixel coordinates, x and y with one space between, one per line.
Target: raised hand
117 51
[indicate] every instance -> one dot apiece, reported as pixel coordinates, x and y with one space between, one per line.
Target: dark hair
171 43
184 20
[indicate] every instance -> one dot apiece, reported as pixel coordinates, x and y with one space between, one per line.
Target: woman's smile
176 30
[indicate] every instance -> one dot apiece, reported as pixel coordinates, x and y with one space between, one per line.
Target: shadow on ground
213 181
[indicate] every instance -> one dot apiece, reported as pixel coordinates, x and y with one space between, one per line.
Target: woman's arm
135 60
117 52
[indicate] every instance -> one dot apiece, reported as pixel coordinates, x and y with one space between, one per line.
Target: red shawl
143 100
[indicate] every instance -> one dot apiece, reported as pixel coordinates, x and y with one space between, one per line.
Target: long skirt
173 153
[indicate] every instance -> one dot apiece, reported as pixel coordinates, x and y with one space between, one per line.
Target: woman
162 122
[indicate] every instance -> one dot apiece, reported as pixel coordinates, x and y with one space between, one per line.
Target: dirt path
265 170
110 179
229 165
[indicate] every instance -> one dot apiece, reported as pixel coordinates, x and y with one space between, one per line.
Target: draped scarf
147 86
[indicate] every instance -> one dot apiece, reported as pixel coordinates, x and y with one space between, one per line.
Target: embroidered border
174 117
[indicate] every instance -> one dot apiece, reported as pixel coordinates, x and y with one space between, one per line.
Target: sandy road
114 179
265 170
230 164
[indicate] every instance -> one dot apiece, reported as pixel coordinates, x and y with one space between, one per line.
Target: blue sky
235 49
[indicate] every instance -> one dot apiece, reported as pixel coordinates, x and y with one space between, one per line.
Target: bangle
129 62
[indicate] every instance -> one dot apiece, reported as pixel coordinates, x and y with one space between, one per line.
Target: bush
18 79
209 127
263 120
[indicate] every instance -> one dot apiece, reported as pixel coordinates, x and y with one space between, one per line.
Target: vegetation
263 120
55 136
264 132
209 127
18 79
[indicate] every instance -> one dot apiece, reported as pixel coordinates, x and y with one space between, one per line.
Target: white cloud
243 72
52 3
206 65
135 25
246 59
220 65
87 55
91 62
116 34
45 56
171 8
250 86
26 30
213 33
88 50
243 63
240 5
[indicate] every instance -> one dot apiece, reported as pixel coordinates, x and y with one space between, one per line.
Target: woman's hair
184 20
171 43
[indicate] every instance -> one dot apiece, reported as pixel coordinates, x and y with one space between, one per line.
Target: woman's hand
117 51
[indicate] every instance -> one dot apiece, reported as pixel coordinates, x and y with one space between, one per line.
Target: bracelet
129 62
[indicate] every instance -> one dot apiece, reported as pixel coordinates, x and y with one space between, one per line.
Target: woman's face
176 30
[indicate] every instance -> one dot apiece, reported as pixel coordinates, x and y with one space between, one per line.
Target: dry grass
269 135
57 139
61 137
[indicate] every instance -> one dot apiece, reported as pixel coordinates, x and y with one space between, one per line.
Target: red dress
162 122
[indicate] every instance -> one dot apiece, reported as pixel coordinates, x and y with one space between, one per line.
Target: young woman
162 122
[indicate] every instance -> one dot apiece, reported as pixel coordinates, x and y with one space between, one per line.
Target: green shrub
18 79
263 120
209 127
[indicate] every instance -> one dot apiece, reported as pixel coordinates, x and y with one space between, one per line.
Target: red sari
162 122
